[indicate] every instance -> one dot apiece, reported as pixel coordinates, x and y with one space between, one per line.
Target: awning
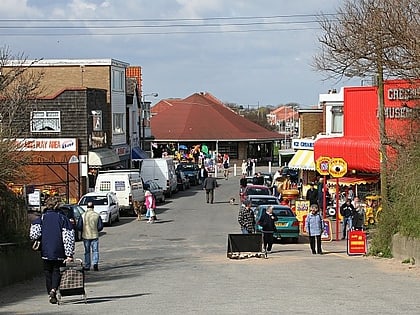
361 154
102 157
303 159
138 154
351 181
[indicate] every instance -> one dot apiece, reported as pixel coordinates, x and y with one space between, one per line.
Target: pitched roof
201 116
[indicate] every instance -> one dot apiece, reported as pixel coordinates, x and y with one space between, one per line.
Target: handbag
36 245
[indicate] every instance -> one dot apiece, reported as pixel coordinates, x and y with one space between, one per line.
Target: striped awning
303 159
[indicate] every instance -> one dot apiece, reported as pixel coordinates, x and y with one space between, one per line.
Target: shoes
320 253
314 253
269 252
53 297
86 268
207 202
95 267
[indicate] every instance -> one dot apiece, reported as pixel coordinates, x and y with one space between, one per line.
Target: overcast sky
246 52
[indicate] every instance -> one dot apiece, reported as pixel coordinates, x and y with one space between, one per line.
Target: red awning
351 181
361 154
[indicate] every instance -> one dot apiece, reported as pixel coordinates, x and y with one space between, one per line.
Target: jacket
314 224
90 223
347 210
268 222
210 183
246 219
56 234
149 202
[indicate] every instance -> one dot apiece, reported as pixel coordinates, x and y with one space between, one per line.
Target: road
179 266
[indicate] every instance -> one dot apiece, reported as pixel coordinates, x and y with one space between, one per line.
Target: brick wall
310 124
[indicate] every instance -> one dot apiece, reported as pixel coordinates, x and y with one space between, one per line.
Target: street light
143 115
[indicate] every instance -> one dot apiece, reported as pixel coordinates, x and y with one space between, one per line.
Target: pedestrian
249 167
268 223
246 218
209 185
242 183
226 166
312 194
359 216
150 203
314 226
203 174
243 167
56 233
347 212
90 223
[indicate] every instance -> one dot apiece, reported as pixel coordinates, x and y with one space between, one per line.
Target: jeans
268 239
52 273
315 239
244 231
148 213
94 244
346 221
210 195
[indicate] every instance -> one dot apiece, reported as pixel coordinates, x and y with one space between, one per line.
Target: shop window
45 121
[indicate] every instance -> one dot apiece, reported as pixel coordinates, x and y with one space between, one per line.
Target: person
359 215
249 167
209 185
321 199
243 167
300 186
56 233
150 203
203 174
246 218
242 183
268 223
312 194
347 211
314 226
90 223
226 166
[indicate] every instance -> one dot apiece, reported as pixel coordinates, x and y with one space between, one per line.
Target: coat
268 222
314 224
246 219
90 223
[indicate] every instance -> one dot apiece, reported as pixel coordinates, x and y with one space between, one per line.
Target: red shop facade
359 146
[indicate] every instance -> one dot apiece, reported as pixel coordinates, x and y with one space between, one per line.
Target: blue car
287 224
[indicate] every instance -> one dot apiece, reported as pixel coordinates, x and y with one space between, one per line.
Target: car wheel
109 220
118 217
162 200
295 240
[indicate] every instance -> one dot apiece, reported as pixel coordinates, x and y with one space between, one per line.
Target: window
117 80
337 119
118 123
45 121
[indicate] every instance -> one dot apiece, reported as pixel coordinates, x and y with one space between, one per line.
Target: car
155 189
73 212
254 190
191 170
183 180
258 200
287 225
104 203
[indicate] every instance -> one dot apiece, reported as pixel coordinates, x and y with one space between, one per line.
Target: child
150 203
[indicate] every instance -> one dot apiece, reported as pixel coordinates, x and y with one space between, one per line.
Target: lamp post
143 115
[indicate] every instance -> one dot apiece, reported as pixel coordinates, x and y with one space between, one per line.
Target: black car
183 180
155 189
73 213
191 170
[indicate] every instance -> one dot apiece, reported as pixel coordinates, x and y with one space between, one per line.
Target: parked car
191 170
155 189
254 190
258 200
104 203
287 224
73 212
182 180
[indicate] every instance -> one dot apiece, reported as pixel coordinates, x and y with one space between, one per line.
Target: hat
147 193
247 202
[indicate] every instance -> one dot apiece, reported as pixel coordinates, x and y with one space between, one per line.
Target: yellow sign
337 167
302 208
322 164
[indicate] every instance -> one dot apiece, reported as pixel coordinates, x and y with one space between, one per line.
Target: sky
247 52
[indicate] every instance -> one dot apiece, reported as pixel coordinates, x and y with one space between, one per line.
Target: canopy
303 159
138 154
102 157
351 181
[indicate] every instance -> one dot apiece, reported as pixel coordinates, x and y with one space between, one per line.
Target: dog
138 206
232 201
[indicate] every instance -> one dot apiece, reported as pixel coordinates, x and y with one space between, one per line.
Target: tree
377 38
19 88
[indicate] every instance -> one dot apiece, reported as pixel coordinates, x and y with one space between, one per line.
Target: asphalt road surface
178 265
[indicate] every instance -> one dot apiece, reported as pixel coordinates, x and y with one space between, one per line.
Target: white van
126 184
162 170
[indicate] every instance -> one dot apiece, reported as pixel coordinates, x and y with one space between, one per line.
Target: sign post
321 165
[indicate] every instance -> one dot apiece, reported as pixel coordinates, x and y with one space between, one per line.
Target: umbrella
183 147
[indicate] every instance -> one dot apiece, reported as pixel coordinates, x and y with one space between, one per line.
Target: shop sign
47 144
327 233
304 144
356 243
337 167
302 209
322 165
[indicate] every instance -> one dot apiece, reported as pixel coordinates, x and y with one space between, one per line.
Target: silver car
105 204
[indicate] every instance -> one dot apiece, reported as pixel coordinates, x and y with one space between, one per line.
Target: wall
310 124
406 248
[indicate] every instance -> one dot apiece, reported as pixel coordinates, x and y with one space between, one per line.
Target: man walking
90 223
246 218
209 185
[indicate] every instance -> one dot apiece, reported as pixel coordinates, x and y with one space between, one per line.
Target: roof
201 116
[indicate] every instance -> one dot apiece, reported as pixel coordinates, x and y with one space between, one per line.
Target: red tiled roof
201 116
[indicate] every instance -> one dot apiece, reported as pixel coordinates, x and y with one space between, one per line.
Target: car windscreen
283 212
263 201
257 191
96 200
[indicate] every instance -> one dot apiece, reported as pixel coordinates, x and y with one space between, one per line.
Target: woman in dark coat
268 224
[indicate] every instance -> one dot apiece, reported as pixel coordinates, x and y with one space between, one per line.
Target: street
178 265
